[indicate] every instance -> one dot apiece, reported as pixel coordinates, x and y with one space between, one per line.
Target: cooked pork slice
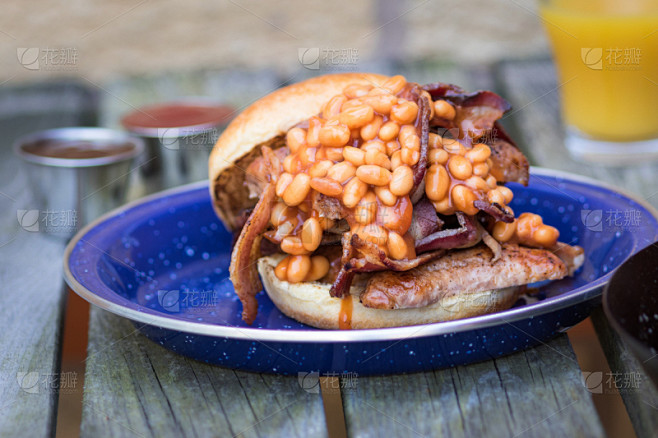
467 270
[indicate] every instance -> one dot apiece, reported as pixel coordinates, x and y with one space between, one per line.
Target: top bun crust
271 117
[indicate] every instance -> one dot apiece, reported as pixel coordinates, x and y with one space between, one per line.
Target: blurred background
91 62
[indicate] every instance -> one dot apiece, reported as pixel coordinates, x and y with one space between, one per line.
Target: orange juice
606 53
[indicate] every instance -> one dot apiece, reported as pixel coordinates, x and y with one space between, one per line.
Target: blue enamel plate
162 262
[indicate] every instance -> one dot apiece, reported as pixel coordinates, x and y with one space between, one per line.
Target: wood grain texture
32 293
641 401
134 387
538 392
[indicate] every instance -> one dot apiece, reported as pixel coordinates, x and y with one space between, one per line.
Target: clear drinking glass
606 54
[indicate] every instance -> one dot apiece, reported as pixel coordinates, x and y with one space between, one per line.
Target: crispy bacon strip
246 251
495 210
466 235
370 259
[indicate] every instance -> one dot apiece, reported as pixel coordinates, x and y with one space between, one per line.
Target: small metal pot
70 191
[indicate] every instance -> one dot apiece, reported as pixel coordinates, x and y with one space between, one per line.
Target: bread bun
311 304
262 122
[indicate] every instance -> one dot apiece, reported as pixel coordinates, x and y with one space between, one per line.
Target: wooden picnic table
134 387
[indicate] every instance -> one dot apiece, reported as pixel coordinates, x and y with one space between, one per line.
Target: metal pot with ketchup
179 137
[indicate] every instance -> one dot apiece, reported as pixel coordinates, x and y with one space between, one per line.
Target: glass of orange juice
606 53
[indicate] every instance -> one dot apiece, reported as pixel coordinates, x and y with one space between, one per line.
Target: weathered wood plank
135 387
537 392
641 398
31 289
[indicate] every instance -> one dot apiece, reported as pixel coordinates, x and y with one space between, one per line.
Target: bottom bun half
311 304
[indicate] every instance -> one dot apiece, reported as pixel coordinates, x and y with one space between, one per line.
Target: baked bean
545 235
333 154
437 156
409 156
398 217
503 232
332 108
354 190
290 164
372 233
444 110
326 186
404 112
453 146
341 172
435 141
366 209
307 155
282 184
444 206
402 181
437 182
463 198
293 245
526 224
382 103
281 270
295 138
370 131
397 247
354 155
298 268
374 144
375 175
334 134
495 197
396 159
479 153
507 194
280 214
480 169
392 146
319 169
389 131
460 167
357 116
377 158
298 189
319 268
351 103
491 181
305 207
356 90
286 228
385 195
477 183
313 133
311 234
394 84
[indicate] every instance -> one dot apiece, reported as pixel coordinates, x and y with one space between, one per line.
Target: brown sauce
345 315
76 148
